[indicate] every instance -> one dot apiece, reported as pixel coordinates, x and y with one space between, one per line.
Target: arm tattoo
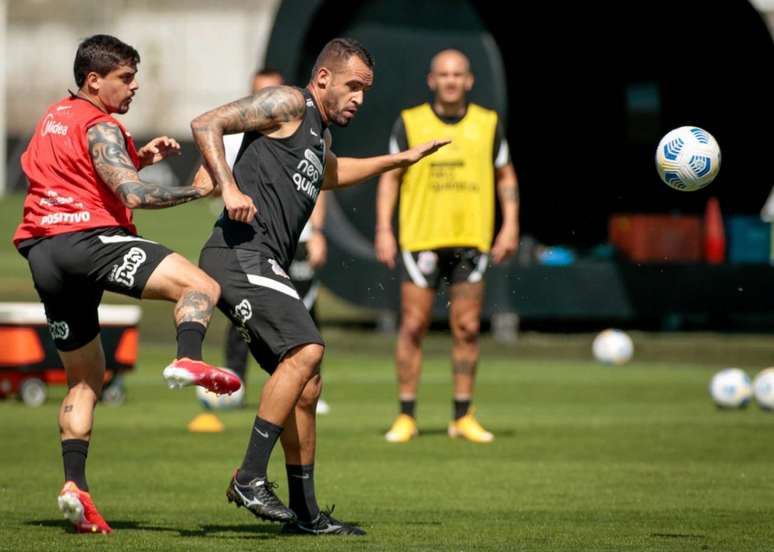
67 408
114 166
194 306
263 112
278 104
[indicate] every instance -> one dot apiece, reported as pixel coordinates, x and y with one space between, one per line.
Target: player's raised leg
85 370
416 307
465 311
196 294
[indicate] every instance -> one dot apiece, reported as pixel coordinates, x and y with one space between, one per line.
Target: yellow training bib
447 199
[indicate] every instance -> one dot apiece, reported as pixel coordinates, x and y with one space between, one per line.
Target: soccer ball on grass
763 388
731 388
613 347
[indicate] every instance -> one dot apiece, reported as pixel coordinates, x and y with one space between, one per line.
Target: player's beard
123 107
335 115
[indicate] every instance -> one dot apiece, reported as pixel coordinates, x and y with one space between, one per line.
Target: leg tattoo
194 306
464 367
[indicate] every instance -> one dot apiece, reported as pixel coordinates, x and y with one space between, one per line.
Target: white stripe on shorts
393 148
121 239
413 270
478 273
311 295
263 281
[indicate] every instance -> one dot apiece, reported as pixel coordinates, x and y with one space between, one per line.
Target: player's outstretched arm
265 112
114 166
350 170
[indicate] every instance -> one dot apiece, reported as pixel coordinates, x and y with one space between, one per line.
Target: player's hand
157 150
316 250
239 206
505 245
421 151
386 247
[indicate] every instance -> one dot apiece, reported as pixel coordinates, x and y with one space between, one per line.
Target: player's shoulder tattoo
107 147
280 103
265 110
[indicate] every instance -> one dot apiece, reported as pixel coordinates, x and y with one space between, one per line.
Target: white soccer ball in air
763 388
613 347
212 401
731 388
688 158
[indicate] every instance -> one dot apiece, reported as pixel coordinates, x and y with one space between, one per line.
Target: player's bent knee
90 389
205 284
470 331
306 359
311 393
413 328
312 355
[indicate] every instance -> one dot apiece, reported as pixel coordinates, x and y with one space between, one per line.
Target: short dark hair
339 50
102 54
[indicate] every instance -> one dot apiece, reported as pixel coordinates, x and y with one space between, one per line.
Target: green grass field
587 457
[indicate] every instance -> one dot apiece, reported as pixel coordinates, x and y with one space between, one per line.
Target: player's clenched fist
238 206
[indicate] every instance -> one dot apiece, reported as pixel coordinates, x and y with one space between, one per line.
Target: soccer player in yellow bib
447 204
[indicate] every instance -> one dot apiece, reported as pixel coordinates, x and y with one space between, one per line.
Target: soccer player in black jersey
284 162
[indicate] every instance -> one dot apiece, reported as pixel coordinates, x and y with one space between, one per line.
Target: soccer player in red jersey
78 237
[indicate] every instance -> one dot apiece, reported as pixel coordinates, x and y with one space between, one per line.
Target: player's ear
93 81
431 82
324 77
469 81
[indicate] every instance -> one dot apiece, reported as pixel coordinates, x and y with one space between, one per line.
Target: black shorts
72 270
259 298
453 265
303 277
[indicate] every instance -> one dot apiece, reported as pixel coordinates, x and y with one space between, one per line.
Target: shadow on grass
244 531
676 536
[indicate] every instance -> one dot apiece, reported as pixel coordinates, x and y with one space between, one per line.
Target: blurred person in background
310 254
78 237
446 228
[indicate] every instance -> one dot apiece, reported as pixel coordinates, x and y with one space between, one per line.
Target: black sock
262 440
301 489
461 408
408 407
190 336
74 453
